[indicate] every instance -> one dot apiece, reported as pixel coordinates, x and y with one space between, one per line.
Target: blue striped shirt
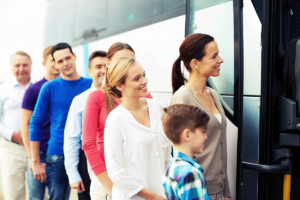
184 180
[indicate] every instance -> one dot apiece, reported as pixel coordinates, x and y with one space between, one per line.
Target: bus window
216 19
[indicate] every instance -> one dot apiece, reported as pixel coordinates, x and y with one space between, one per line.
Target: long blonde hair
115 75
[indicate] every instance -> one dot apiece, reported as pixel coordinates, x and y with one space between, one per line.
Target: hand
39 171
79 186
17 137
30 165
109 192
227 198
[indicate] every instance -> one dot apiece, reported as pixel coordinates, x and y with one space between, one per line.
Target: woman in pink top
94 117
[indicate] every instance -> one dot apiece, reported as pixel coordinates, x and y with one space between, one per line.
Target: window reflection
216 19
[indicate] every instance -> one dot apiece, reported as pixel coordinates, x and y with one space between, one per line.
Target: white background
22 24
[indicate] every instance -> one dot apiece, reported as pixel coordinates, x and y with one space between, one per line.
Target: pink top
93 123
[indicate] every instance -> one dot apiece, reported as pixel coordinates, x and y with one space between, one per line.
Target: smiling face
65 62
197 140
135 85
210 63
21 67
97 70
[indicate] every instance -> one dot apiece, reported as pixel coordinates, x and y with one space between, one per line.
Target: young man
55 99
13 155
36 187
75 160
185 126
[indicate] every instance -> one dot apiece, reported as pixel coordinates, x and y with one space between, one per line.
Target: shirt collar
184 157
16 83
93 87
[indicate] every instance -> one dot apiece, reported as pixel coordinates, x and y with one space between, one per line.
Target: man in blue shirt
55 99
75 159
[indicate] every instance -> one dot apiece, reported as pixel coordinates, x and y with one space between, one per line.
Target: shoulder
82 96
97 95
51 83
115 115
180 169
155 103
87 80
213 91
181 96
7 84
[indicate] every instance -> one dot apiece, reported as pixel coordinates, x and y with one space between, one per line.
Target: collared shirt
73 134
136 156
184 179
11 97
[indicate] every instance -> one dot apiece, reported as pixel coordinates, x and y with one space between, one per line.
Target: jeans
57 179
36 188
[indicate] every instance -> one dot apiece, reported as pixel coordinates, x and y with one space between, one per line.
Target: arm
5 132
26 115
38 117
90 124
72 143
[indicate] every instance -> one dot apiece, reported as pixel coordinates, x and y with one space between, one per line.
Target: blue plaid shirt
183 179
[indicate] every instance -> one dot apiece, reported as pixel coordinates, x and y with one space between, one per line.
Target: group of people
106 137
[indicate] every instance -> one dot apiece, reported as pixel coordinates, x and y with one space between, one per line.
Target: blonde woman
136 149
94 117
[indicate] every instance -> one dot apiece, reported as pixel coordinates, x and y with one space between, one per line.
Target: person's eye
137 79
144 75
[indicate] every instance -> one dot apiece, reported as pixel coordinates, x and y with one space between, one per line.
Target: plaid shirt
184 180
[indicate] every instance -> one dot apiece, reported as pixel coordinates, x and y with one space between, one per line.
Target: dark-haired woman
200 55
94 117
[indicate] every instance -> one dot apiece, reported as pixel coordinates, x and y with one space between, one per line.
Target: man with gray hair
13 155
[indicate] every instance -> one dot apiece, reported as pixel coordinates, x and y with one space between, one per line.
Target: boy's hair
61 46
47 52
178 117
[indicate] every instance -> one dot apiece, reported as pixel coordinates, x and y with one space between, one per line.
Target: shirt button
221 143
222 158
221 172
221 127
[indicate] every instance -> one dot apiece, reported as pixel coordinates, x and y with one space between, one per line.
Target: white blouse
136 156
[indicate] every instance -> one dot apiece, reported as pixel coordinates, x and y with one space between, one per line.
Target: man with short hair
55 98
36 187
13 154
75 159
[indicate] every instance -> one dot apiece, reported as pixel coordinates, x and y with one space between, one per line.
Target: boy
185 126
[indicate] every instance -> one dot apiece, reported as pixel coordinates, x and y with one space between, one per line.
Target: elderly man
13 155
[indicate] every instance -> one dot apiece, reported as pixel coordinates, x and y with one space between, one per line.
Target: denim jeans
36 188
57 179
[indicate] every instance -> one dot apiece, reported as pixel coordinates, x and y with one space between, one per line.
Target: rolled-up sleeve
72 143
116 167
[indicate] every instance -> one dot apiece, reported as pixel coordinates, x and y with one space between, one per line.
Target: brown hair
95 54
21 53
117 47
178 117
47 52
193 47
115 75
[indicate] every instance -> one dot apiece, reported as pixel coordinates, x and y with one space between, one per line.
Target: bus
258 83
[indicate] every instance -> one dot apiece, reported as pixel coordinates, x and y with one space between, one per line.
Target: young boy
185 126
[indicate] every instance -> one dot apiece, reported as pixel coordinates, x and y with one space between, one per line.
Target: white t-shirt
136 156
219 117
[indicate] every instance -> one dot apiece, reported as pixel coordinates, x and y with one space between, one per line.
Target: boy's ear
185 135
